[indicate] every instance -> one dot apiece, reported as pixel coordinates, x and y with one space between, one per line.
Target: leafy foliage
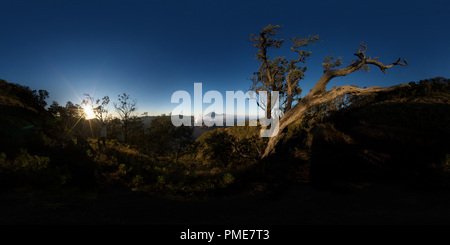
166 139
279 74
218 148
56 148
26 169
330 62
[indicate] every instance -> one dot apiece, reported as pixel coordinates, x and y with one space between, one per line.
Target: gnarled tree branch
384 67
320 86
311 100
318 95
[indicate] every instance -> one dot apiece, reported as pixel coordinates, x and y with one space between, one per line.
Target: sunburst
89 112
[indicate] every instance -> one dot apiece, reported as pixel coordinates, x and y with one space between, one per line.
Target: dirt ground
290 204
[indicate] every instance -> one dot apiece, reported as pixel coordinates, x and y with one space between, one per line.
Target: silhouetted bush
166 139
27 169
216 148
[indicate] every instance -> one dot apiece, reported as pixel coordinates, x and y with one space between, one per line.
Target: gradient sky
150 49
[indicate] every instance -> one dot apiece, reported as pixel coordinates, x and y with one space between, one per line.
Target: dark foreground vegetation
381 158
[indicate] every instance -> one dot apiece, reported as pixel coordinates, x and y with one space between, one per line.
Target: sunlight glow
89 112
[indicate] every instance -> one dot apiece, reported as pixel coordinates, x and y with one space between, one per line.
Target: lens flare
89 113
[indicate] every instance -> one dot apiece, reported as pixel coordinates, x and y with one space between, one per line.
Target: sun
89 112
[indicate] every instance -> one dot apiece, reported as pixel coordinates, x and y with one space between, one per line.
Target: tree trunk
269 106
311 100
289 98
318 94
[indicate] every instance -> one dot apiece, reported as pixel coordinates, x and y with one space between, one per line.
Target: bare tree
125 108
99 107
318 94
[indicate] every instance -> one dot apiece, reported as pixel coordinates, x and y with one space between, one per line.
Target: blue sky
150 49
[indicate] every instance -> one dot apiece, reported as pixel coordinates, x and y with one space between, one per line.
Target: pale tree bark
318 95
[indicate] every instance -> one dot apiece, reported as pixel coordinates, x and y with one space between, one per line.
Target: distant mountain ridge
198 130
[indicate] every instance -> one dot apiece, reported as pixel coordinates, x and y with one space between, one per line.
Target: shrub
138 181
26 169
228 178
166 139
217 147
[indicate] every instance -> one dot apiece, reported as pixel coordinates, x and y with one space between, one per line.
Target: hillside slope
395 137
